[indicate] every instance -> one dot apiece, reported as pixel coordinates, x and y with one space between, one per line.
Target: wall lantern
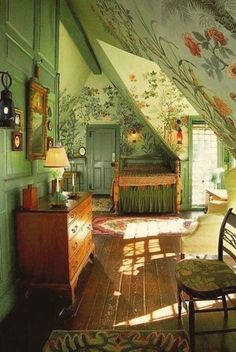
179 136
134 136
7 110
179 132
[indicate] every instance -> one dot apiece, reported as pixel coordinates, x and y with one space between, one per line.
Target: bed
146 187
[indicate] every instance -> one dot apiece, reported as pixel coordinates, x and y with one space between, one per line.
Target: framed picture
49 125
82 151
49 142
18 122
37 120
49 111
17 140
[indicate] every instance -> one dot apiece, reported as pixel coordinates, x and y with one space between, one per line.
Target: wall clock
82 151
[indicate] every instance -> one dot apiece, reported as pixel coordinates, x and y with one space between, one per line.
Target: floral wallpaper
193 42
103 104
163 105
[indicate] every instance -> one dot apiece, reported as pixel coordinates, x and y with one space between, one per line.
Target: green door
102 151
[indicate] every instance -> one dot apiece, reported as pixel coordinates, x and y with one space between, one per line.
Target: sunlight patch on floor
139 229
164 313
168 312
137 253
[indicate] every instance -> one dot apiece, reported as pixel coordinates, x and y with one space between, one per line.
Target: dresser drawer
75 226
81 208
80 254
77 240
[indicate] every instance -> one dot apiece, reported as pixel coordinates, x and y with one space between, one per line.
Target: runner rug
116 341
132 227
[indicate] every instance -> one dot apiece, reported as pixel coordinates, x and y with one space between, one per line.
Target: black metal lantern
7 110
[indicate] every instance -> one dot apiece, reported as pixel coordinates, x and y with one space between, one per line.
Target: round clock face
82 151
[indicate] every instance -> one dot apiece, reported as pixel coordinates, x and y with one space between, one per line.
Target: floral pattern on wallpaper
94 105
210 12
164 106
208 53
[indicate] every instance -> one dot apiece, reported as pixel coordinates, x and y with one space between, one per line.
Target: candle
73 180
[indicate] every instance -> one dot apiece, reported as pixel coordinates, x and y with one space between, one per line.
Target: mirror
37 118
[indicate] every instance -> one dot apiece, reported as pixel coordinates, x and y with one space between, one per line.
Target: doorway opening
103 151
204 161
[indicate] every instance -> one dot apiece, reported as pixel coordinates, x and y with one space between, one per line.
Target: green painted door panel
47 31
102 149
185 196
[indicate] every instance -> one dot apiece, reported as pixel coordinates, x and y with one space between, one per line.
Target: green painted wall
28 34
73 69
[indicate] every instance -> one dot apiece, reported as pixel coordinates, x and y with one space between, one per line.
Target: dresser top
44 204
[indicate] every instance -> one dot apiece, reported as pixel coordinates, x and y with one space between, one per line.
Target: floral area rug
132 227
116 341
102 204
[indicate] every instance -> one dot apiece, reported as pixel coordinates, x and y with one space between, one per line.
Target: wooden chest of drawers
54 244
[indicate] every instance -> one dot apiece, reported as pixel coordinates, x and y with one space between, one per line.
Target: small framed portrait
49 142
17 140
49 125
82 151
49 111
18 122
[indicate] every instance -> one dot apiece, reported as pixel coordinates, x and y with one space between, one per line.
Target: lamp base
58 200
73 195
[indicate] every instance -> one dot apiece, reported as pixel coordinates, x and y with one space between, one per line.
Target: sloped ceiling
194 43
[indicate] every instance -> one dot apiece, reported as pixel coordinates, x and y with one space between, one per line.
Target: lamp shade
56 157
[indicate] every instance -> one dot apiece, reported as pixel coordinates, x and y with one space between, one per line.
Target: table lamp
56 158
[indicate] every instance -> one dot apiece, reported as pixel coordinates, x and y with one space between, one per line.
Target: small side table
71 181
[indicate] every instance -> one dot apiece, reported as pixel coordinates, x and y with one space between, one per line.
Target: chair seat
202 277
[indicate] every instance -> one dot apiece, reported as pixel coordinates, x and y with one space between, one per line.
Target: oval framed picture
49 125
82 151
49 111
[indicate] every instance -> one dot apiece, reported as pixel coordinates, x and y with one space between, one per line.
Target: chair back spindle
227 237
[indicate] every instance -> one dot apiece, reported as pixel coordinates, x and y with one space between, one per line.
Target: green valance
160 199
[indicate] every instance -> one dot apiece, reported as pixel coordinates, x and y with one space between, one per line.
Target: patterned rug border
117 341
100 220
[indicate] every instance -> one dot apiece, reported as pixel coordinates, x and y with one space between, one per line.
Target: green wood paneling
3 250
21 41
20 21
24 58
47 31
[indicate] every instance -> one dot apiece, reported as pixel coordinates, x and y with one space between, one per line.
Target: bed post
116 187
178 186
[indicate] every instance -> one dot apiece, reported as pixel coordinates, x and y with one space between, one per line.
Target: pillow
191 229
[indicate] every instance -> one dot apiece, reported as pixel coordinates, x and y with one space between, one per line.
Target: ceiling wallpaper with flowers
193 42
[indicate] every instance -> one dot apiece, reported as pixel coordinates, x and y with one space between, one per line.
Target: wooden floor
130 285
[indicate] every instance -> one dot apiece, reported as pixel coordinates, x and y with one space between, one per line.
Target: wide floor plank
131 285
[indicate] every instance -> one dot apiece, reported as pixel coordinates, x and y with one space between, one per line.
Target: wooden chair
208 279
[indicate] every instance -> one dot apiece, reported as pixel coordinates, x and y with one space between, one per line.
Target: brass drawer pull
75 229
74 246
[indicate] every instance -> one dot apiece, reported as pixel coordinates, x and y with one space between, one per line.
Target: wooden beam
78 35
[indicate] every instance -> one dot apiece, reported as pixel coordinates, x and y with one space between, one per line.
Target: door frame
93 127
220 153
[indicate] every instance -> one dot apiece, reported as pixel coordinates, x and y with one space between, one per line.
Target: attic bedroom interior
118 175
